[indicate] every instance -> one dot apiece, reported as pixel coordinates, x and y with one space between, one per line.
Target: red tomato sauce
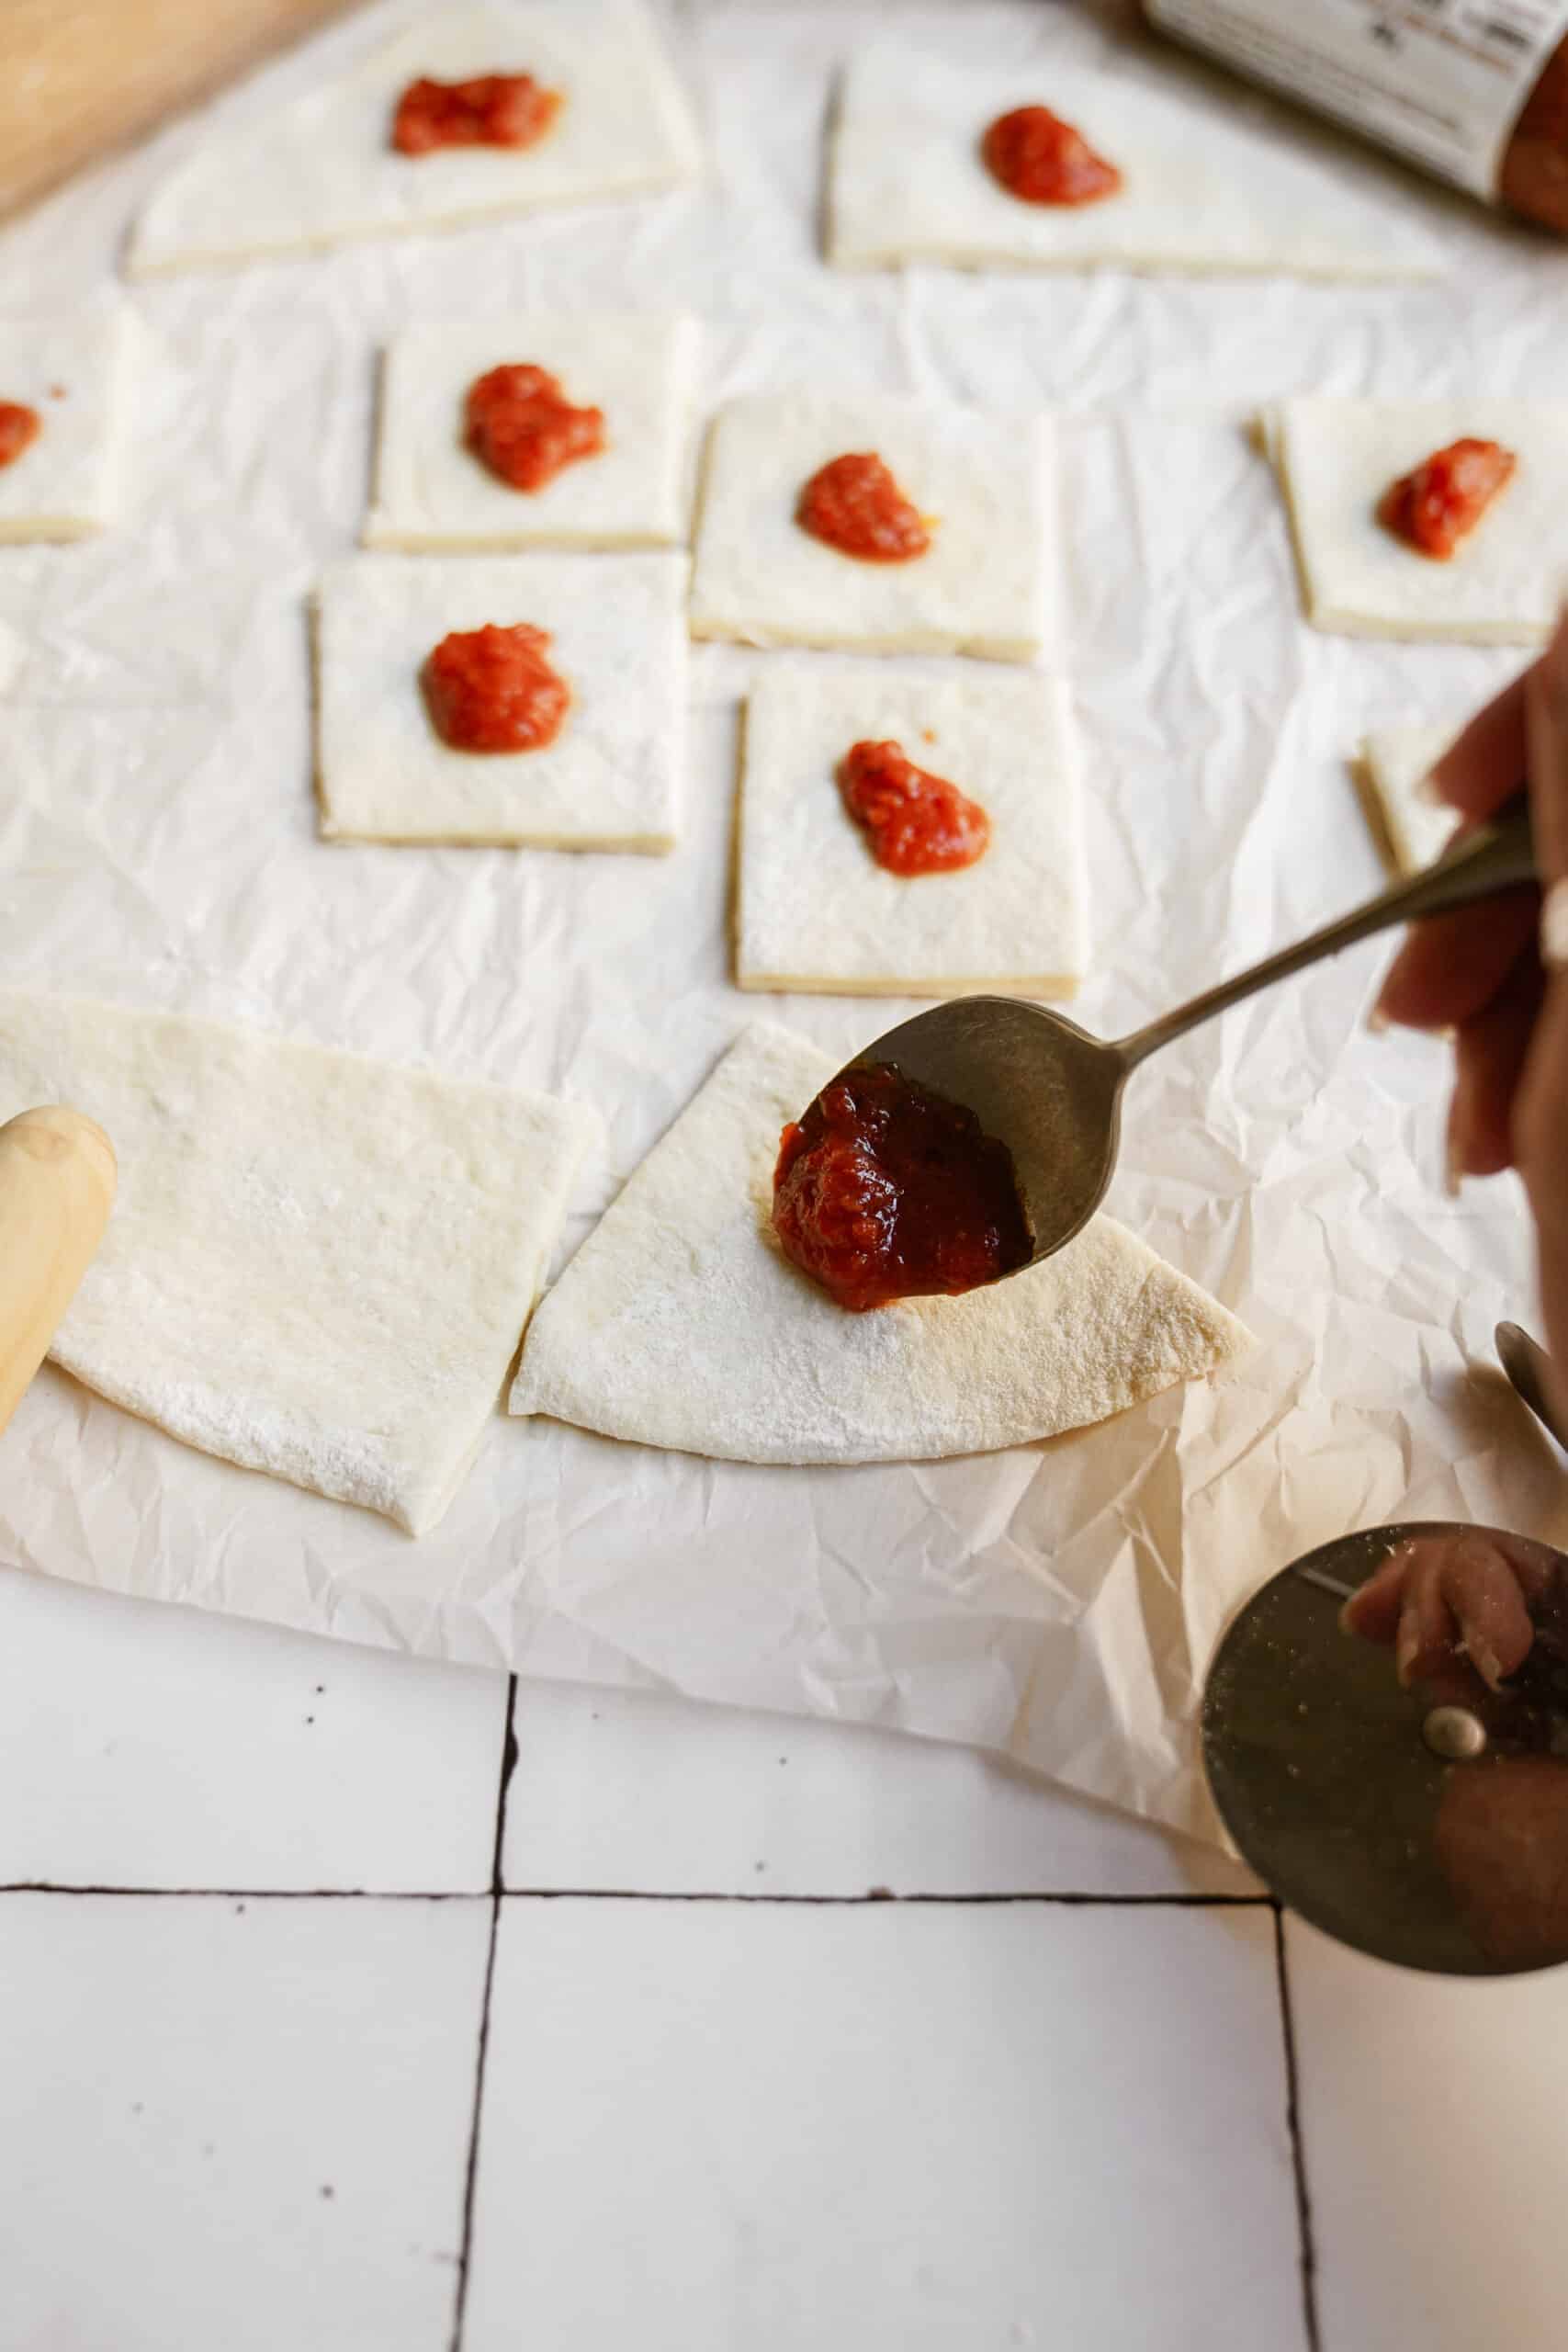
1441 502
491 690
915 823
493 110
1042 159
886 1191
854 504
20 428
519 423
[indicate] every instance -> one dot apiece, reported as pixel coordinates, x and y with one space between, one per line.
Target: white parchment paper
157 845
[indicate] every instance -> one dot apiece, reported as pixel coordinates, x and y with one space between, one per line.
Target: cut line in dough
318 1265
1336 458
987 584
1204 190
815 911
681 1324
434 495
321 171
610 780
74 369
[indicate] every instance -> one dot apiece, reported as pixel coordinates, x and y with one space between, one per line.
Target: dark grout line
1067 1899
471 2171
885 1895
261 1893
1314 2334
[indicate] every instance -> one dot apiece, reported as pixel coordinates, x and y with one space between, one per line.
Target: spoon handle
1499 856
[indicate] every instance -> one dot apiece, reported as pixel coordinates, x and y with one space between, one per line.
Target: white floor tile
234 2124
634 1793
1432 2112
148 1746
742 2127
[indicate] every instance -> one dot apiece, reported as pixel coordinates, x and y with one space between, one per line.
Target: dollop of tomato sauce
20 428
885 1190
1433 508
491 690
854 504
491 111
519 423
1042 160
915 823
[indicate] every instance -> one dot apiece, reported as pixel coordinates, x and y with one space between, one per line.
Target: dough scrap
321 171
1204 190
610 780
813 910
432 493
1336 458
987 584
318 1265
679 1323
68 485
1395 762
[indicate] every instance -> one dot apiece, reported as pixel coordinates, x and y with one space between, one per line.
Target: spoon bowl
1052 1092
1035 1080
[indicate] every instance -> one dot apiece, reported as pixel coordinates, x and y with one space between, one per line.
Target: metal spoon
1052 1093
1529 1368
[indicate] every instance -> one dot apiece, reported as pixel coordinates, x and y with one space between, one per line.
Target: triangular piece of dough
679 1323
318 1265
322 171
1211 183
1394 765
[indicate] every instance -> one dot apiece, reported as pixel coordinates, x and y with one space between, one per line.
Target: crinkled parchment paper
157 845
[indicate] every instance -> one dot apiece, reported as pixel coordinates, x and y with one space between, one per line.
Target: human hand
1441 1593
1496 973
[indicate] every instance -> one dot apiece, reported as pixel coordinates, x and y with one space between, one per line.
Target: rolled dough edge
1030 985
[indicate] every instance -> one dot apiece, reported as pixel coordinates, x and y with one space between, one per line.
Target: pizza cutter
57 1185
1427 1826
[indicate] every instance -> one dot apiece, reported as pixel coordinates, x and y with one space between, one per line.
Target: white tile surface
147 1746
636 1792
725 2127
1432 2112
234 2124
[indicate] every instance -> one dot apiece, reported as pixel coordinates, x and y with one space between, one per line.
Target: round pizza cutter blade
1427 1826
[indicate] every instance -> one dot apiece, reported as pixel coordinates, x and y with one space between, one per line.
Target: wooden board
79 78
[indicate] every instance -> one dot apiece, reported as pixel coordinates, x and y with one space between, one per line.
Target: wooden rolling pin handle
57 1184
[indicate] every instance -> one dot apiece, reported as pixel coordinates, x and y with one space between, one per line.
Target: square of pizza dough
433 493
1336 457
611 778
74 369
322 170
983 481
1394 765
813 910
1204 190
317 1265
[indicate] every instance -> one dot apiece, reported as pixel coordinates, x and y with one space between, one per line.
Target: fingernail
1457 1146
1554 927
1453 1171
1347 1622
1377 1021
1405 1655
1486 1663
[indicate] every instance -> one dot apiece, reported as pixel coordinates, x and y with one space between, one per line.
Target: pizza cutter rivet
1454 1733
